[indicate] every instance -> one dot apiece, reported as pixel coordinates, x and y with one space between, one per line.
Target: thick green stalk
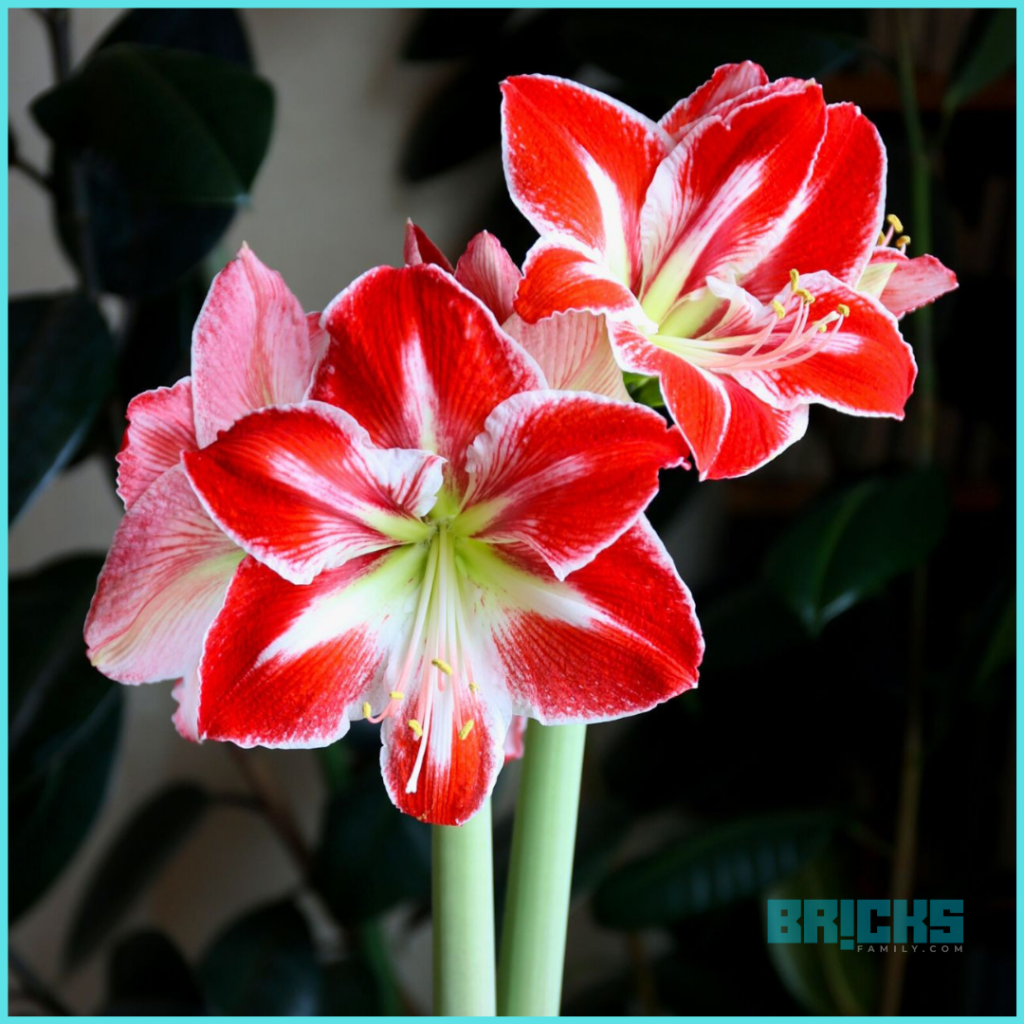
540 874
463 897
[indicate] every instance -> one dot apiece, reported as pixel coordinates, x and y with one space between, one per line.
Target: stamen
442 665
896 223
367 710
794 279
822 327
466 729
474 688
395 695
416 727
881 238
780 309
844 309
902 242
804 294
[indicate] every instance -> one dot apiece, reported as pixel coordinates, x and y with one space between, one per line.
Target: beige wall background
327 205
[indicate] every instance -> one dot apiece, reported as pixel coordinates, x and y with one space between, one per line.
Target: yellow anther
881 238
903 241
466 729
367 710
844 309
895 222
805 295
780 309
442 665
794 279
395 695
474 688
416 727
822 328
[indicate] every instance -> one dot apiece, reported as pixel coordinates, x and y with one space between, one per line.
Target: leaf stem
463 900
540 874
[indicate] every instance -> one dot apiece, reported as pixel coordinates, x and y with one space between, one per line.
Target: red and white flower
437 542
572 349
723 244
168 569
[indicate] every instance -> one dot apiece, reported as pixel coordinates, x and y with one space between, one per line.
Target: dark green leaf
717 867
216 33
371 856
61 364
1002 646
993 56
263 964
180 126
65 719
643 389
348 989
146 842
148 977
139 245
850 545
783 42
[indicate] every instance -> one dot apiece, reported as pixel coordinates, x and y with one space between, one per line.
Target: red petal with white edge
730 431
911 283
616 638
560 280
162 584
578 164
574 352
419 362
838 212
419 249
251 346
728 82
565 473
457 771
864 368
721 197
302 489
289 666
160 428
487 270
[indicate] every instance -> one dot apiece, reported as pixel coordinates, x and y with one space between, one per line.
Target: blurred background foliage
853 732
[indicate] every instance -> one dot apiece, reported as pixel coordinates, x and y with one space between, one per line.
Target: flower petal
559 279
163 581
419 362
721 196
457 772
160 428
487 270
839 210
251 346
865 368
302 489
578 164
515 739
419 249
566 473
904 284
574 352
727 83
616 638
289 666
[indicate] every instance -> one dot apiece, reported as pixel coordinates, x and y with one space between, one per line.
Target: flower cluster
424 507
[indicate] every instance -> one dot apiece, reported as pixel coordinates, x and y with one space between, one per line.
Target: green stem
540 874
463 897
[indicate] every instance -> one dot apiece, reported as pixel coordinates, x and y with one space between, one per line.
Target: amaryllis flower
437 542
572 349
724 245
169 567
